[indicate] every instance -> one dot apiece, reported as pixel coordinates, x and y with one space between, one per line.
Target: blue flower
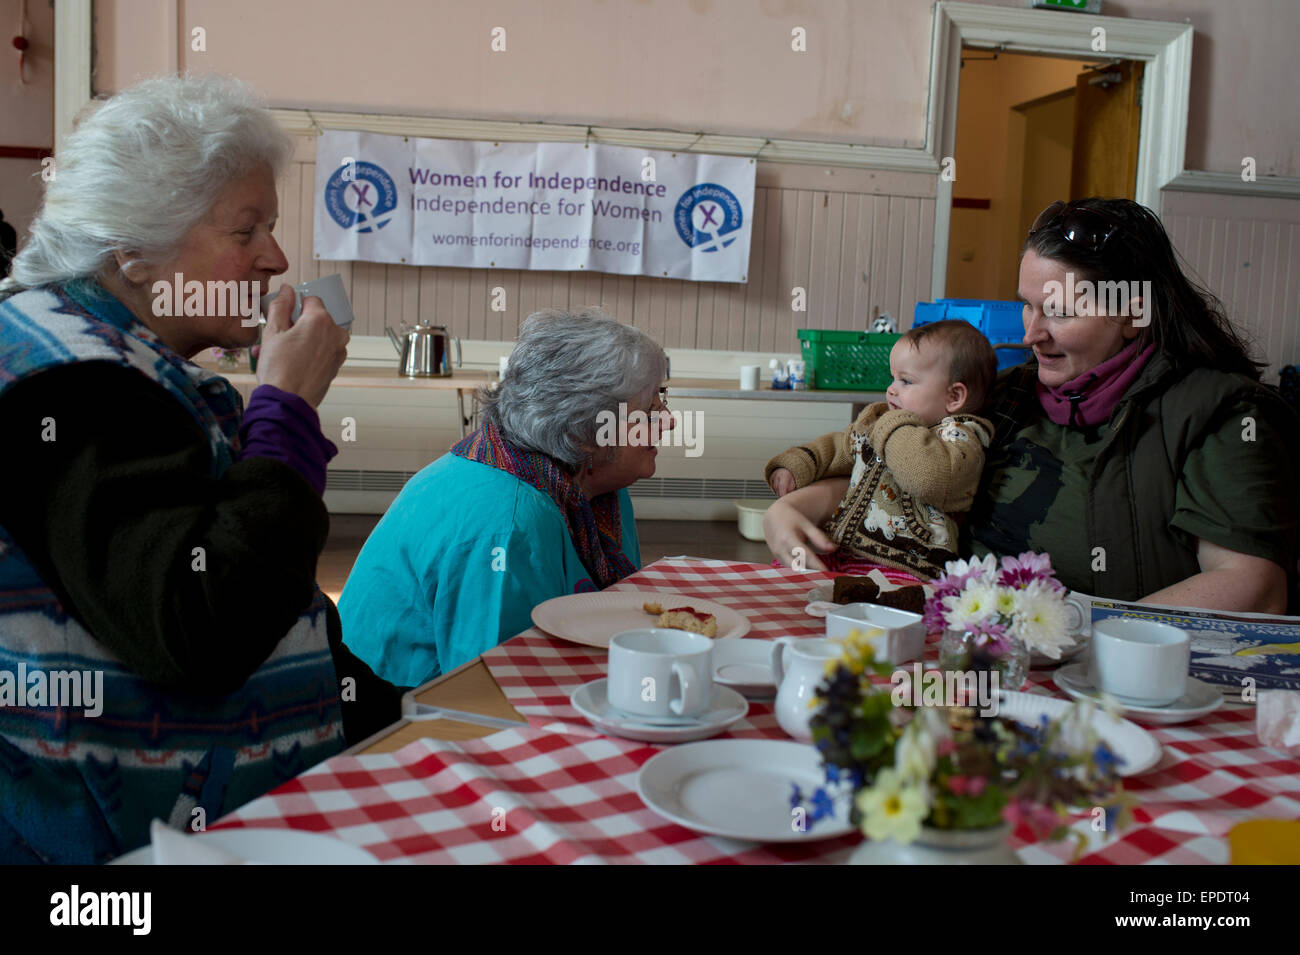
832 773
796 797
823 805
1106 760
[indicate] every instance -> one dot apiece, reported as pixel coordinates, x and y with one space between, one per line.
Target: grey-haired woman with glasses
1136 446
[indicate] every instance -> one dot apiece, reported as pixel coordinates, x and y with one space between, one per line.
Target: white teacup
329 289
660 672
1139 661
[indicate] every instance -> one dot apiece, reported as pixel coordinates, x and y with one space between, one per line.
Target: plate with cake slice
592 619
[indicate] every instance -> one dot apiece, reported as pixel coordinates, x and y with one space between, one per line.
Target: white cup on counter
749 377
655 671
1139 661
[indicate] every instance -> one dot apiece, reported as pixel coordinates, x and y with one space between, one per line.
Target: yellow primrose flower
890 809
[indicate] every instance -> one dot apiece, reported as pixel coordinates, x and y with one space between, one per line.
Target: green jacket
1174 436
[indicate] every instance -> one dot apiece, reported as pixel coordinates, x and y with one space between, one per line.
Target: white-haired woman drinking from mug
154 534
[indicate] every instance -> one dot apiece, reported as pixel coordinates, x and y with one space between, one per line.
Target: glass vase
959 652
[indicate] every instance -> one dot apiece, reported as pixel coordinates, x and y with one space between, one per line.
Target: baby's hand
782 482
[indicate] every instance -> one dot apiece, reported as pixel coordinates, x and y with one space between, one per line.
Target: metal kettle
424 352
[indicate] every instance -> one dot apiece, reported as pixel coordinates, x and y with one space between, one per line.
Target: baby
914 460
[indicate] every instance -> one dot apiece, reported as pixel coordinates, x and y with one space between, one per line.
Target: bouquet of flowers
949 767
999 616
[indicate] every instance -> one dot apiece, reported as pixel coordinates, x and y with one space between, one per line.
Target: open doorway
1032 129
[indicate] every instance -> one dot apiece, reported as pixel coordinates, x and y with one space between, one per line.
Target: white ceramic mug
1139 661
749 377
329 289
797 682
660 672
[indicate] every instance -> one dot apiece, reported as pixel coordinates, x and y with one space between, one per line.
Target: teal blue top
456 566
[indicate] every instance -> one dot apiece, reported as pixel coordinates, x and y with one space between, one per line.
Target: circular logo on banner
708 217
361 196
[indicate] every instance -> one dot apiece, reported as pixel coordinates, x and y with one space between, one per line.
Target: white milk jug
798 666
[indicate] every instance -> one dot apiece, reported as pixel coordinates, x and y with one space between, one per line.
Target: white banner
552 206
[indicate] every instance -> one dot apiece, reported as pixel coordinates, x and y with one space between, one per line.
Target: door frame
1166 48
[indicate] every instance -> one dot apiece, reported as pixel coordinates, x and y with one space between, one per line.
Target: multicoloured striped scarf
595 525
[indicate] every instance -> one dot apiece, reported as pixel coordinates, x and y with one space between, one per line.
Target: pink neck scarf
1088 400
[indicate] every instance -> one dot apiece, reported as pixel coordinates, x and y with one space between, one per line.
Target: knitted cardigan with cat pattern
907 481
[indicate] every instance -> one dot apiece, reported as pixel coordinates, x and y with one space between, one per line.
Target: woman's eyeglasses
1088 229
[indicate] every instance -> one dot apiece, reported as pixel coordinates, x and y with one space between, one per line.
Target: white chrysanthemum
1041 621
985 569
1007 601
977 603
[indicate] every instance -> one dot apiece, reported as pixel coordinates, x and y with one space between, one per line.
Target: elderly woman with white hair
157 546
531 506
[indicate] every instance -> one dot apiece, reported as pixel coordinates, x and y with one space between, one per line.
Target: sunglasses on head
1089 229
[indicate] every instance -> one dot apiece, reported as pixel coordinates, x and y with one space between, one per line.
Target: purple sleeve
281 425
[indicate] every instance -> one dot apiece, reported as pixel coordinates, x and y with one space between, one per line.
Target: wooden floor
716 539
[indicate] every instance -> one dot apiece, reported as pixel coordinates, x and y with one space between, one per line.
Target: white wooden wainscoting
1246 249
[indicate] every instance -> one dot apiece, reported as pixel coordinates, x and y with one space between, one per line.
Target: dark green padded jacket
1169 423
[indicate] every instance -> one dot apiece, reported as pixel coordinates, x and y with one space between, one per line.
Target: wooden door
1107 116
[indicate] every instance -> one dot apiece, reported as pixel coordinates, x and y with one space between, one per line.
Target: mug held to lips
329 289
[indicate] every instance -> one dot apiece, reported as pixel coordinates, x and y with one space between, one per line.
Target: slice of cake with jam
683 618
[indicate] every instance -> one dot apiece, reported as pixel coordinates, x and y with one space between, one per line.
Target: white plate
592 619
738 788
1200 698
1131 743
726 708
270 847
746 667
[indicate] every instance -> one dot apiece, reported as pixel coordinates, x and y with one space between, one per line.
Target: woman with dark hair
1137 446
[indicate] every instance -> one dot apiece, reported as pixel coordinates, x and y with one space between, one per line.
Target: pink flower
967 785
945 746
1020 572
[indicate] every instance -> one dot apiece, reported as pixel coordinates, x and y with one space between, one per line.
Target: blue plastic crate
1001 322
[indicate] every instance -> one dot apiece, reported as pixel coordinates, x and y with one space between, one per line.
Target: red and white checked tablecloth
560 791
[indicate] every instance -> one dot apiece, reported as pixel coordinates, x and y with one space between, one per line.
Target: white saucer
738 788
728 707
1135 746
745 666
1200 698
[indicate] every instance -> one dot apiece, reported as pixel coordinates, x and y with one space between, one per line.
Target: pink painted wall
718 65
26 111
725 66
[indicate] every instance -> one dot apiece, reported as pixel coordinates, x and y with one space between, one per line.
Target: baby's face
921 383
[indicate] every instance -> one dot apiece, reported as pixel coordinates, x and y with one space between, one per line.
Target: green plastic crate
847 361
